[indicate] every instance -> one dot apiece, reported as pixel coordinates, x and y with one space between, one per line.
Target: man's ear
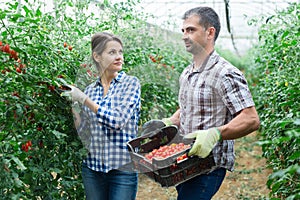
211 33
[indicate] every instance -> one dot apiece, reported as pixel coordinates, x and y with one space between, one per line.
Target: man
215 103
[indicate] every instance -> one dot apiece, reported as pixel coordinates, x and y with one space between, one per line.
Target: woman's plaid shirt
211 97
115 123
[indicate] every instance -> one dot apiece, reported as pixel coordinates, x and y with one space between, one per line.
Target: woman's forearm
91 105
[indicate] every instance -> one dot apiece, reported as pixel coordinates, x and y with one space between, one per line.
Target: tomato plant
39 144
40 151
277 92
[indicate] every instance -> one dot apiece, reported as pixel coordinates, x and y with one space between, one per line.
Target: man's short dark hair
208 17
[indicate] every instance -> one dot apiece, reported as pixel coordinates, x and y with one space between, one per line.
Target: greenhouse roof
168 13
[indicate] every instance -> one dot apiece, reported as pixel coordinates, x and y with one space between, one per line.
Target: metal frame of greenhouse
236 33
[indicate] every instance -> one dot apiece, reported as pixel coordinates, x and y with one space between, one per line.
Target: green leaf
297 122
286 33
4 34
58 134
2 14
294 156
56 170
38 12
27 11
17 180
106 3
294 42
19 163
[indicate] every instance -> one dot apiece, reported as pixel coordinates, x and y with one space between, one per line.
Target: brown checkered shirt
211 97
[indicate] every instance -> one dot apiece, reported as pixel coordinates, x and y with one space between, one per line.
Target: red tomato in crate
182 157
167 151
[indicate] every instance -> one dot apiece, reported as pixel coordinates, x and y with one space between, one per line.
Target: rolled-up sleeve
235 92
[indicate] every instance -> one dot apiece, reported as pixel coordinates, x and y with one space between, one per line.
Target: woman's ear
96 57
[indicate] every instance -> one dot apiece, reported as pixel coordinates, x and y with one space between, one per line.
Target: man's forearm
175 118
244 123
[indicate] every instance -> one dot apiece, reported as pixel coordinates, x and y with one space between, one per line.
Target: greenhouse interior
240 35
150 96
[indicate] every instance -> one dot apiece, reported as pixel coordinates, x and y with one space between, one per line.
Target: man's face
194 36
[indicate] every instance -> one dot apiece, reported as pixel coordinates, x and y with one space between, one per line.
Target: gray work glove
75 94
155 124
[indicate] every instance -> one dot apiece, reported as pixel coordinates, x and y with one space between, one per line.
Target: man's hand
75 93
205 141
155 124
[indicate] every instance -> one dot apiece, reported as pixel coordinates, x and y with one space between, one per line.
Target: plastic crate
193 167
168 172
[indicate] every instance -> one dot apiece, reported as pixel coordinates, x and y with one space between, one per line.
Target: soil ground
247 182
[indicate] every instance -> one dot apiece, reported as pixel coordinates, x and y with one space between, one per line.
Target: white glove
205 141
76 94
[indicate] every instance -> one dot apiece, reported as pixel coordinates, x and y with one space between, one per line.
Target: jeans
114 185
201 187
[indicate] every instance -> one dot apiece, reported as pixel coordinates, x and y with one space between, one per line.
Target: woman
111 108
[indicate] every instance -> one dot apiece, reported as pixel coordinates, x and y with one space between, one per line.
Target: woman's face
111 59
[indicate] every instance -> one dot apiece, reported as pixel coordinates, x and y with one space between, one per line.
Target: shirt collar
211 60
119 78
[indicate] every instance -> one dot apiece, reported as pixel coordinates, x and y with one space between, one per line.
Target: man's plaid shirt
211 97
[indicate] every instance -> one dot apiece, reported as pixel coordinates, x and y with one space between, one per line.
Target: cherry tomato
18 69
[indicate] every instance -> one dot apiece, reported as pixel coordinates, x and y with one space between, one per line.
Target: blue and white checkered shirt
115 123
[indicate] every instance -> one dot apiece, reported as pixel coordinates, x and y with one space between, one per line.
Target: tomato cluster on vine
67 45
157 59
27 146
19 67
